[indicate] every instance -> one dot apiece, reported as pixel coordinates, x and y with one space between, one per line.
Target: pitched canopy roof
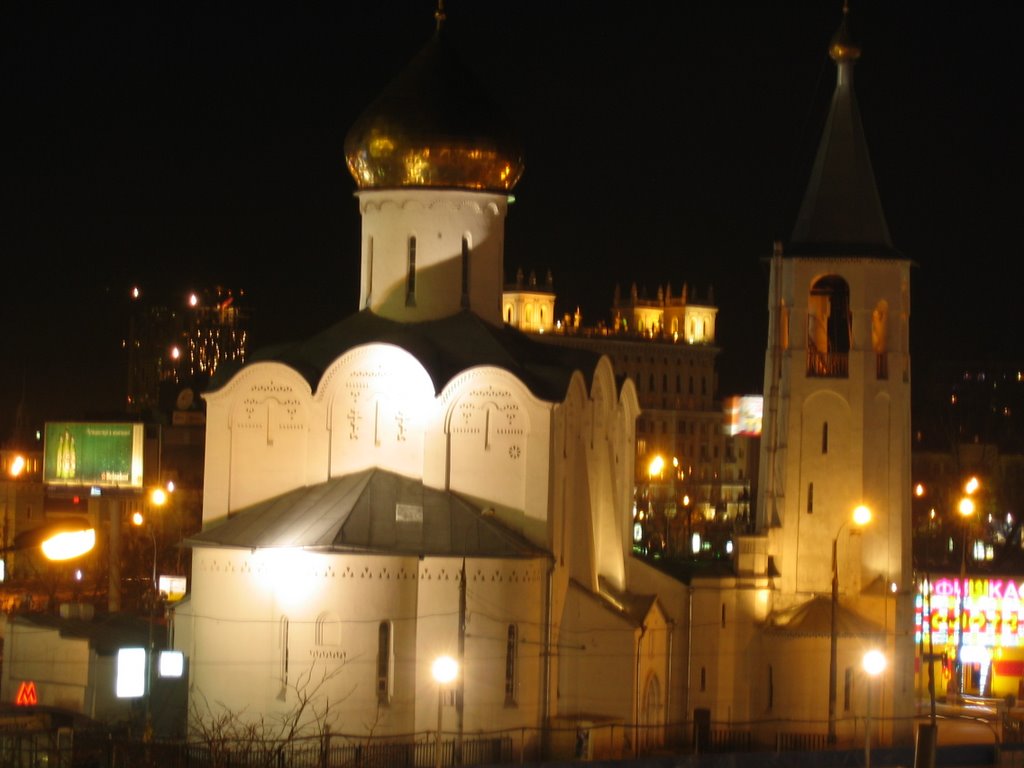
841 212
813 618
373 511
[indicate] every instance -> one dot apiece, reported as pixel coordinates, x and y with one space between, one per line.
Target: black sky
182 145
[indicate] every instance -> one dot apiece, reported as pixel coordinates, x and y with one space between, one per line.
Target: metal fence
96 748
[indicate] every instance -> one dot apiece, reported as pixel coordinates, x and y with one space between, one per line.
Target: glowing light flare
874 662
69 544
294 576
158 497
656 466
861 515
966 507
444 669
971 486
137 518
17 466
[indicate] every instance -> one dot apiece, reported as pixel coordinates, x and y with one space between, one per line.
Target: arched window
327 630
879 338
829 328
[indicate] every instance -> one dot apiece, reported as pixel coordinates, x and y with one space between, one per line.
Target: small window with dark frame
511 658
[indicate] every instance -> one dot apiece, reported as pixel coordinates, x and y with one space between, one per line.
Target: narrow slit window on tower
511 657
283 641
384 662
771 687
369 270
847 688
410 278
465 273
703 679
824 437
810 498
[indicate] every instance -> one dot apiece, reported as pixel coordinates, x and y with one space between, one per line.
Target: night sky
182 145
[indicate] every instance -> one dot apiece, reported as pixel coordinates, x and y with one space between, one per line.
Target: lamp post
966 510
445 669
874 665
157 498
861 516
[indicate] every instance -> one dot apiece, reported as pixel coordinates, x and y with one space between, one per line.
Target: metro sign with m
27 696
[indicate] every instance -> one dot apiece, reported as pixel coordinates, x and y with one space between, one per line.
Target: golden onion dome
842 47
434 127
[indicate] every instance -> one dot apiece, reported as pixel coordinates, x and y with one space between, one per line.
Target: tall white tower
837 394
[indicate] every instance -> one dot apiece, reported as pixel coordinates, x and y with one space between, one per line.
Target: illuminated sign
131 673
96 454
173 586
743 415
993 612
27 696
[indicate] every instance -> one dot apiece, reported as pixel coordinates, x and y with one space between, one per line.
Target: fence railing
585 741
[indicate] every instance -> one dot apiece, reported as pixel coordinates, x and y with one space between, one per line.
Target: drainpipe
689 647
668 671
636 693
545 708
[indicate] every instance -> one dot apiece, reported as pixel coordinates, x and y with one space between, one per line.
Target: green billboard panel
107 455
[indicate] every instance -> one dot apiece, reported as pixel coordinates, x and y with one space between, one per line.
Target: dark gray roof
372 511
841 212
106 633
445 348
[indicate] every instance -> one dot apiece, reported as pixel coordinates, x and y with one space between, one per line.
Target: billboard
988 611
743 415
106 455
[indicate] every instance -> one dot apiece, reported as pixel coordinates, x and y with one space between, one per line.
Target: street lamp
861 517
874 665
966 510
445 669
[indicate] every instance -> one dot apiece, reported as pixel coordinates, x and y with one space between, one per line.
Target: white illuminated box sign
131 673
171 664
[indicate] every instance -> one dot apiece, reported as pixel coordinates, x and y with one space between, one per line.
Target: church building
421 480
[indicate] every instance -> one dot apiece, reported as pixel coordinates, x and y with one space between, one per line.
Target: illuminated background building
696 467
174 349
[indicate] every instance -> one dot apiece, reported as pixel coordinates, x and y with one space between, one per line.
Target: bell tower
837 393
